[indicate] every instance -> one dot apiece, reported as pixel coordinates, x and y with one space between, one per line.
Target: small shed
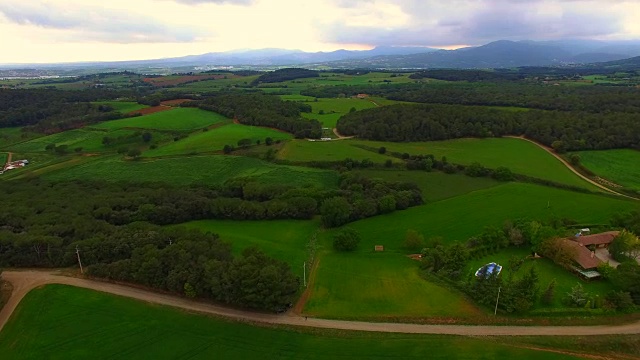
378 248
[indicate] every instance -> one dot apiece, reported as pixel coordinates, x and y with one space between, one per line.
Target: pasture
194 169
622 166
435 185
460 217
178 119
520 156
215 85
124 107
383 285
215 139
547 271
335 150
285 240
87 139
63 322
3 159
9 136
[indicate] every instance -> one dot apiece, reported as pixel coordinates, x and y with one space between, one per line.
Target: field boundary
563 161
25 281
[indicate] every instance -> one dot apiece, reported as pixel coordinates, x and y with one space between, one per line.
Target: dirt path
340 137
563 161
24 281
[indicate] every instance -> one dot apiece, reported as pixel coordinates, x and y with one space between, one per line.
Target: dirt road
340 137
24 281
563 161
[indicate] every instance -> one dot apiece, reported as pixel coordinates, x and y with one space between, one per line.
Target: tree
50 147
382 150
146 136
574 159
78 149
578 296
134 153
227 149
625 246
244 142
413 240
335 211
387 204
268 141
503 174
549 293
559 146
353 109
559 251
346 240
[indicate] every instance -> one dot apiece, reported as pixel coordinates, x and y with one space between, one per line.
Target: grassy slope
14 135
547 271
458 218
283 239
621 166
62 322
216 139
175 119
380 285
304 150
194 169
87 139
434 185
3 159
124 107
520 156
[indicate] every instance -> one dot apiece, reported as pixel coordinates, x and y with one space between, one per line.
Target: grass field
216 139
546 270
89 140
460 217
63 322
337 150
3 158
124 107
215 85
434 185
285 240
622 166
9 136
518 155
179 119
195 169
380 285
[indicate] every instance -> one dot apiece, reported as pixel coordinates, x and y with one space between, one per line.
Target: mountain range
497 54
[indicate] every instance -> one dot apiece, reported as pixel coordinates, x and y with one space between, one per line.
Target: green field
546 270
3 159
63 322
215 139
434 185
285 240
622 166
194 169
520 156
179 119
89 140
124 107
333 109
458 218
335 150
380 285
9 136
332 79
215 85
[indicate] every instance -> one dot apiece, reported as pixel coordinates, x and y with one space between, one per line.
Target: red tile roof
597 239
583 255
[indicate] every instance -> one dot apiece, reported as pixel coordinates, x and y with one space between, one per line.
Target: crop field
547 271
63 322
460 217
195 169
336 150
380 285
435 185
215 139
124 107
285 240
88 140
520 156
622 166
182 119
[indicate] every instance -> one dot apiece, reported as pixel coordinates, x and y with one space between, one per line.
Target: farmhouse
14 165
585 251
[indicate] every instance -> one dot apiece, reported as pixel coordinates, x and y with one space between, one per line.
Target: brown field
174 102
151 110
169 81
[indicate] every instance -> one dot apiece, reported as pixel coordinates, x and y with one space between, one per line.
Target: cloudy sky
88 30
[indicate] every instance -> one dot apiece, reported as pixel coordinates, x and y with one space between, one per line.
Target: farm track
340 137
563 161
25 281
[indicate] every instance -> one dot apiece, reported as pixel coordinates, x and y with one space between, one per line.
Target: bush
347 240
620 300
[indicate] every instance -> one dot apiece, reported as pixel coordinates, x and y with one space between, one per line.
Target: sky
43 31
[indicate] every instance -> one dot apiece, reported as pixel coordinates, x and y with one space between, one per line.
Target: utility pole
497 299
304 271
79 262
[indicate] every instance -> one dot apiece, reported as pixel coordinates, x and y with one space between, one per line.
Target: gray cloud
481 21
93 23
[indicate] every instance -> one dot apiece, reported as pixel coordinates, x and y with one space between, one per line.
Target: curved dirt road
24 281
565 163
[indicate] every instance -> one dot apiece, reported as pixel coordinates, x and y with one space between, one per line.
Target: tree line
263 110
570 130
286 74
593 99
